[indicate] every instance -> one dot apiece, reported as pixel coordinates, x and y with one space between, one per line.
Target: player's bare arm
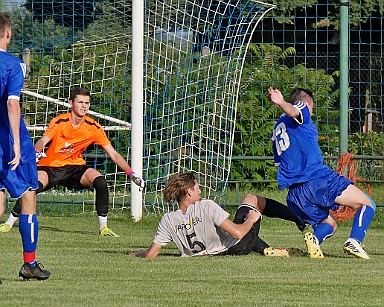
40 144
14 121
277 98
151 252
116 157
238 231
123 164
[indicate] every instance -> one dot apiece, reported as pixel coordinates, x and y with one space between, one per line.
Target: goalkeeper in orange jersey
62 163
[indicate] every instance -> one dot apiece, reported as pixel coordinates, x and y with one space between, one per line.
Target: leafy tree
326 12
67 13
39 37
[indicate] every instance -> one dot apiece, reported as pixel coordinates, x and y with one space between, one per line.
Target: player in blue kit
314 188
18 172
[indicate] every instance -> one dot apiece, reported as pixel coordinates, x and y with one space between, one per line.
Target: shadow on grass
55 229
136 248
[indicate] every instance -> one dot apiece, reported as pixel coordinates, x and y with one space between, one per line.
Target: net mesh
194 54
193 57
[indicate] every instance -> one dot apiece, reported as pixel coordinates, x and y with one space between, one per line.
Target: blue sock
372 202
361 222
323 231
28 227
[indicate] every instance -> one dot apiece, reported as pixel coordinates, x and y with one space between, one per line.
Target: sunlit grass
91 270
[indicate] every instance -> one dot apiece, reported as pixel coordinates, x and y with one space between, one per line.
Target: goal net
193 57
194 53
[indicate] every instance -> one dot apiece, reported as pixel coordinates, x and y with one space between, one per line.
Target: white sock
102 222
11 220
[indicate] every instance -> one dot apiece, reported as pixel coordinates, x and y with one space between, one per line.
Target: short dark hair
299 94
79 91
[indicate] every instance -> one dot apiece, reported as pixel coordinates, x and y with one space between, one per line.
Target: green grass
91 270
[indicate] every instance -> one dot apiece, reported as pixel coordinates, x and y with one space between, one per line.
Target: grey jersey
196 231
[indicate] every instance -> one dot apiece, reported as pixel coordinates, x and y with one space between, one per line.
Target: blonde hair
177 187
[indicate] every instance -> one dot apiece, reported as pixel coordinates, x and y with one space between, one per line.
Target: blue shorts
312 200
22 179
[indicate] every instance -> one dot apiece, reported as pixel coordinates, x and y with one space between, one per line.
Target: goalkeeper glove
39 155
136 179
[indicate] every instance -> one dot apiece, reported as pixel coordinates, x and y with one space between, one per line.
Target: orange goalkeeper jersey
68 143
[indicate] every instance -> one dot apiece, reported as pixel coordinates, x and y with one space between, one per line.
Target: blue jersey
12 73
296 150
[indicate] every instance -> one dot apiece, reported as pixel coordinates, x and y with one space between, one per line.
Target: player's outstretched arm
14 121
123 164
277 98
40 144
151 252
238 231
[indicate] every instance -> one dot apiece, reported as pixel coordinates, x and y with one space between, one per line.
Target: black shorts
248 242
68 176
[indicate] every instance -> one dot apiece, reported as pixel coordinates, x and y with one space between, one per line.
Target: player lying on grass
17 157
69 135
314 188
202 227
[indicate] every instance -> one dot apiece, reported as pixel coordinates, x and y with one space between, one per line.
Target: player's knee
250 199
100 184
371 203
366 200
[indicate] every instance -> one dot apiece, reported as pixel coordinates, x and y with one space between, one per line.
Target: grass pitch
88 270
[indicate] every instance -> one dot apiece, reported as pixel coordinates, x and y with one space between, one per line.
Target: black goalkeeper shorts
68 176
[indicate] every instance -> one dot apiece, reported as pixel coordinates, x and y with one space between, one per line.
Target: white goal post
137 100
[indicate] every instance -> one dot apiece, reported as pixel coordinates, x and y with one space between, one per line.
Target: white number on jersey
280 138
24 69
